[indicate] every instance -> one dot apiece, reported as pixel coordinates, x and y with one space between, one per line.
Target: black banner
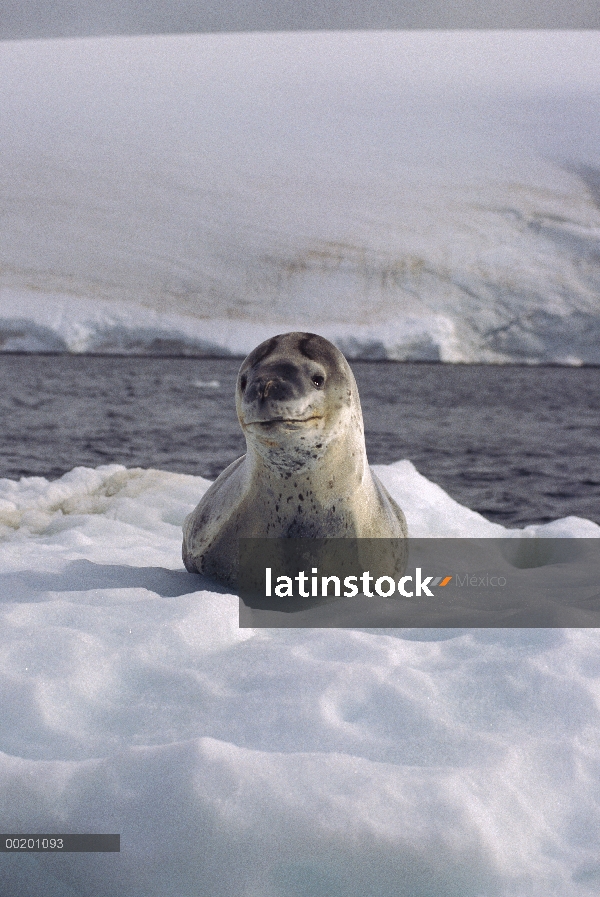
372 583
60 843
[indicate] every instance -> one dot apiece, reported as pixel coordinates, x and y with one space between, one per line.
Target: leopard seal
305 473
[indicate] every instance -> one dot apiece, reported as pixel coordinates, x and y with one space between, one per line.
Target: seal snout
274 388
280 392
277 383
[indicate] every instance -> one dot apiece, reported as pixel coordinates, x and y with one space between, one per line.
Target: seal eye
243 382
318 380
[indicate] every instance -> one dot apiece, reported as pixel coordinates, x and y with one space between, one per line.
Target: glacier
409 195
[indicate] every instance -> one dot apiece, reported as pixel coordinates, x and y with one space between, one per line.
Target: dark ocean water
518 444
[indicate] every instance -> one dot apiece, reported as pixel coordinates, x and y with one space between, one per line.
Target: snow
410 195
275 763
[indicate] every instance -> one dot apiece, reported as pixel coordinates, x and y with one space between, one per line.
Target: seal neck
336 470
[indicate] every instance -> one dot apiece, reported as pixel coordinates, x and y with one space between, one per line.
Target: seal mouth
294 421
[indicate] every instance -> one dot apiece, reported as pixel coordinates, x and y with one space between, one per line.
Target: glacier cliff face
410 196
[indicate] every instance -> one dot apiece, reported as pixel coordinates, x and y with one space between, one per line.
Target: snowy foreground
275 763
410 195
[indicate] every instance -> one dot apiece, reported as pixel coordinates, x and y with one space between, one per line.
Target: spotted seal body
305 473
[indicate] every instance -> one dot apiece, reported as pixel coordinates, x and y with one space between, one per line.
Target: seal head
297 401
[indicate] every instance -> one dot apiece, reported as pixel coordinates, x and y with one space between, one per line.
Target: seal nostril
243 382
318 380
